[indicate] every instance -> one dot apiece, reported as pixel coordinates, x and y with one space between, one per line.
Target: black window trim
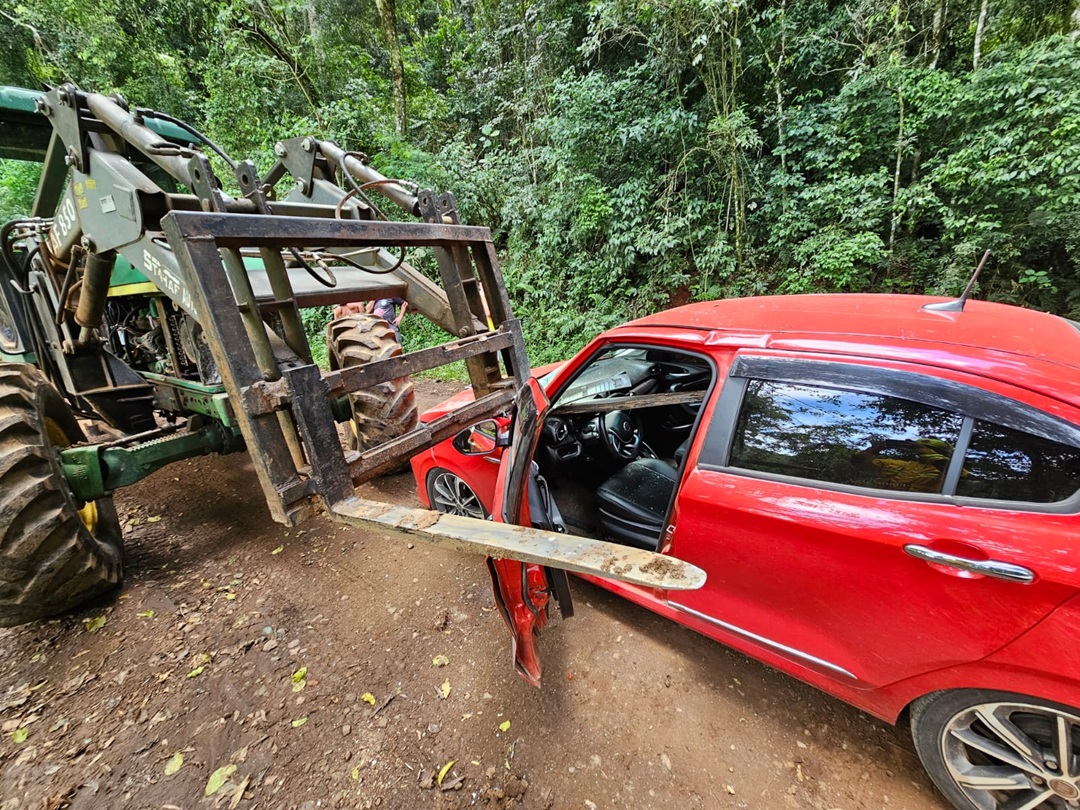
968 401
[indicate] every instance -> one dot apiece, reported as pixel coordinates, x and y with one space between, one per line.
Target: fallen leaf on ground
174 764
440 660
299 675
153 519
444 689
299 722
278 550
146 614
218 778
238 794
369 698
445 769
19 735
196 672
230 596
504 726
452 784
95 624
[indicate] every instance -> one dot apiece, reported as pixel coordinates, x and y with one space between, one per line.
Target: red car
883 491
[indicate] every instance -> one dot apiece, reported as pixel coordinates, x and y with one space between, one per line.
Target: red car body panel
816 582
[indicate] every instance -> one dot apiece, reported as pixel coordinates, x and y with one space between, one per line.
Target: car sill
773 645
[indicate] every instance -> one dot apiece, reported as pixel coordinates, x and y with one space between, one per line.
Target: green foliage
18 182
315 321
632 154
834 260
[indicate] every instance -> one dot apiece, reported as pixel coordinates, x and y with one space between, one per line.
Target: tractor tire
55 553
381 412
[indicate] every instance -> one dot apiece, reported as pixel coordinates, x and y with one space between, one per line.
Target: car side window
1010 465
843 437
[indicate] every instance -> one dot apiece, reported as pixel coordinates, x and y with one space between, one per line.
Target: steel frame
287 420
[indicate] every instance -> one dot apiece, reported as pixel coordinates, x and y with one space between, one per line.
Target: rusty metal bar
231 347
629 403
570 552
348 380
389 454
311 409
498 303
241 230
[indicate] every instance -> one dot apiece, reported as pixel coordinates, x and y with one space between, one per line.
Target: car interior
615 438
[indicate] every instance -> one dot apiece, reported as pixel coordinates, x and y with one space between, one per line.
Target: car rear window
844 437
1010 465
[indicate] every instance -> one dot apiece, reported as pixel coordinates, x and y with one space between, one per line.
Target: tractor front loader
147 316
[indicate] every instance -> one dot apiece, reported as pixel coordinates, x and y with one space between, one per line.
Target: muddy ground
327 667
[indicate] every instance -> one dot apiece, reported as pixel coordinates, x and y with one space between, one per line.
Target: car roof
981 325
1017 345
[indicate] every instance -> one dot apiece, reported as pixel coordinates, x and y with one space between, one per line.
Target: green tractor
147 316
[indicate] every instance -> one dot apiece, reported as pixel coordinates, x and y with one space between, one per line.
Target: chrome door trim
767 642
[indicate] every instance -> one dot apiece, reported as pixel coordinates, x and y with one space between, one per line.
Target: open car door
524 589
527 554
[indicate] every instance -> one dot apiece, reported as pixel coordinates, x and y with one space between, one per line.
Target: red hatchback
884 493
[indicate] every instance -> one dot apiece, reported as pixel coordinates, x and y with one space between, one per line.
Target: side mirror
480 439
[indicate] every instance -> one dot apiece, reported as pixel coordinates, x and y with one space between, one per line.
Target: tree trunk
980 29
937 35
388 18
777 66
894 225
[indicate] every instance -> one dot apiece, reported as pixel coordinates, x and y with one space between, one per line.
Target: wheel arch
1018 680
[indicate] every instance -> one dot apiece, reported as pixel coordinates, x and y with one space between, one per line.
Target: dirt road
323 667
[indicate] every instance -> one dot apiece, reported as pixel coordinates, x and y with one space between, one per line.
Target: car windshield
613 371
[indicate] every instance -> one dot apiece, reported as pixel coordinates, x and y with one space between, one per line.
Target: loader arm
134 186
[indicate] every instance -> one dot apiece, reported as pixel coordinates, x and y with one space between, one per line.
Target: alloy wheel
452 496
1014 756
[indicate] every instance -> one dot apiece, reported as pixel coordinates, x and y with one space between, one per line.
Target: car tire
961 735
55 552
383 411
449 494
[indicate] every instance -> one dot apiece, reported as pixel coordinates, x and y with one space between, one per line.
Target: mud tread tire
381 412
50 561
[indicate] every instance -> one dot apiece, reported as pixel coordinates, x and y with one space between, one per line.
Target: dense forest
633 154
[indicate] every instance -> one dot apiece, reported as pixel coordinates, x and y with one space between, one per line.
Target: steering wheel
620 434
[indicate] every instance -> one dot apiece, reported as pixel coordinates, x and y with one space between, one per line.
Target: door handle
989 568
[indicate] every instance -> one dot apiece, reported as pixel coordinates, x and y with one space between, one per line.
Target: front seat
634 501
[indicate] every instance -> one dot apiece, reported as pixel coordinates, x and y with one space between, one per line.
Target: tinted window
1009 465
843 437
